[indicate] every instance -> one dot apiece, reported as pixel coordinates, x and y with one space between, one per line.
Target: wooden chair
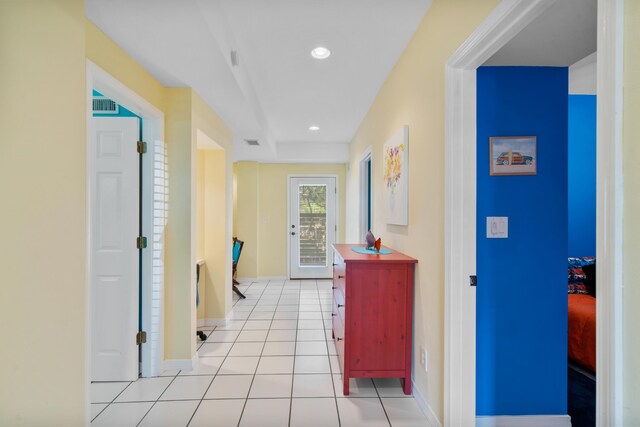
237 250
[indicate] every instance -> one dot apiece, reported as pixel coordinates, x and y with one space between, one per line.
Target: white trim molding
427 410
609 211
181 364
506 20
525 421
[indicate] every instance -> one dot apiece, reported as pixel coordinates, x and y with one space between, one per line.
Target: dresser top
348 255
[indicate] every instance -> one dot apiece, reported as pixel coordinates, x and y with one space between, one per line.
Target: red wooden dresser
372 314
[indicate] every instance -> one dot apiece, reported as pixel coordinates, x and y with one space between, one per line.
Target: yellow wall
246 220
631 156
43 378
218 208
200 215
262 214
413 95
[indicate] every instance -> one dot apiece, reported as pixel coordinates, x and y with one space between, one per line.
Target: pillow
576 279
590 281
582 261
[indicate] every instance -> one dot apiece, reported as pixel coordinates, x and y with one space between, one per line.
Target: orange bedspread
582 330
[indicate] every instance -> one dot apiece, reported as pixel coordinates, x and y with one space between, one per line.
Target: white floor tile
404 412
187 388
275 365
246 349
282 335
389 387
239 315
310 307
285 315
232 325
287 308
252 336
257 325
229 387
312 365
122 414
284 324
361 412
239 365
242 308
172 373
268 306
310 315
261 315
96 408
218 413
335 364
311 335
266 413
106 392
310 324
170 414
358 387
313 385
269 386
223 336
205 366
278 348
215 349
311 348
145 390
314 413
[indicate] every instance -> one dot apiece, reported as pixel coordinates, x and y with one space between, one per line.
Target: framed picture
512 155
395 193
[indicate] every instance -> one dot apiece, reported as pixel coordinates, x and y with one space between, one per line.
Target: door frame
364 185
152 131
507 20
313 175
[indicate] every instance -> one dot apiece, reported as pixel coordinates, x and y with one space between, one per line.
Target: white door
312 227
114 268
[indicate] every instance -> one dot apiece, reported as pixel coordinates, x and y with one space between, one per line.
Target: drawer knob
340 305
333 287
338 339
333 314
340 277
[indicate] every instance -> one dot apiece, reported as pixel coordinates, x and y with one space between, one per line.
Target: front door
114 268
312 227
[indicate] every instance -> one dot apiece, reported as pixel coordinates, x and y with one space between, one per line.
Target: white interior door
114 268
312 227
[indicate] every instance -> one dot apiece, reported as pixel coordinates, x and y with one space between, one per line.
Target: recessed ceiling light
314 128
320 52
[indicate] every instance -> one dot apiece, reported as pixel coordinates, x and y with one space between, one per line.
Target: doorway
153 207
507 20
312 226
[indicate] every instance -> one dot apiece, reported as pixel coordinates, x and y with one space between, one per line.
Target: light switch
497 227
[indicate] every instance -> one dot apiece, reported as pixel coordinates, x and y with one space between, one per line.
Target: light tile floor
272 364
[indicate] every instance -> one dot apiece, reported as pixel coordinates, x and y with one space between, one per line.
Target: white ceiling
563 34
277 91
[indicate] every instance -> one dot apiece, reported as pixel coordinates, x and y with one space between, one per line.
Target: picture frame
395 168
513 155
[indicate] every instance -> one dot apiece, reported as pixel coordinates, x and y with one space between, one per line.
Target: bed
582 312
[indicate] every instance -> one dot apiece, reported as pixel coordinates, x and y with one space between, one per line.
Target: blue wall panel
582 175
522 281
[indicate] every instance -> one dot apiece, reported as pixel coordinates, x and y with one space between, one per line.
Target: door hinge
141 337
473 280
142 147
141 242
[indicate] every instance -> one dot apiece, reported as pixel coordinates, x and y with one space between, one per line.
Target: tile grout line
112 400
295 348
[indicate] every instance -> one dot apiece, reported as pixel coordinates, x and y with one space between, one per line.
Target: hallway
273 364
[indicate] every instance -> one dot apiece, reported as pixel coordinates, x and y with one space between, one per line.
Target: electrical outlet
423 358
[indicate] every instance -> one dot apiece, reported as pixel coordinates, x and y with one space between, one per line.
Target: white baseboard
263 278
180 364
422 403
524 421
201 322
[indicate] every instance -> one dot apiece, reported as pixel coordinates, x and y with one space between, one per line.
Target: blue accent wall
521 335
582 175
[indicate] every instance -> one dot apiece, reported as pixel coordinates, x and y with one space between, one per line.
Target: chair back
237 250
